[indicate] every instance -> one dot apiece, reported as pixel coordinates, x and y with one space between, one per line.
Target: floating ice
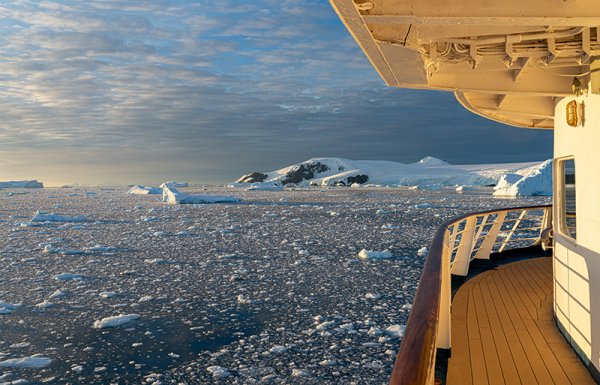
115 321
243 300
32 362
536 180
173 196
41 216
396 331
9 306
44 304
20 345
67 277
21 184
267 186
371 254
174 184
58 294
218 372
100 248
422 252
300 373
54 250
278 349
144 190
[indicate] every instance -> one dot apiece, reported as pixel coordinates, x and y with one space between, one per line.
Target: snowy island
510 179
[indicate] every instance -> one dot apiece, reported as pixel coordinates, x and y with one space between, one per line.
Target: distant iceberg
144 190
22 184
174 184
173 196
41 216
257 186
532 181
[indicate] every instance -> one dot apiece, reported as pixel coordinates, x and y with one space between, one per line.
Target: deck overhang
496 57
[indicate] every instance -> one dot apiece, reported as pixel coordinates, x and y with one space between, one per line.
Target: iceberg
173 196
532 181
144 190
22 184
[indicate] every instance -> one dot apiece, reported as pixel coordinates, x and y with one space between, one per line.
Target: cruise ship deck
503 331
531 64
483 313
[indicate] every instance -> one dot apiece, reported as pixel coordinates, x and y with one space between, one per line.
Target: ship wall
577 262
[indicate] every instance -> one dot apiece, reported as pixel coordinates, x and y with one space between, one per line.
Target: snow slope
426 172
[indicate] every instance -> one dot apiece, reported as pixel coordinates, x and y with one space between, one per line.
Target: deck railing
455 244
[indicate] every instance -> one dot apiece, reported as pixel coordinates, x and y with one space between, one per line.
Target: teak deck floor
503 332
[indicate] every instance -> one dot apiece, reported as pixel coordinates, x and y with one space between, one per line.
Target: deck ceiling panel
483 8
529 49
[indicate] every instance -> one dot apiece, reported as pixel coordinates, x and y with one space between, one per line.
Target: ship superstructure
533 64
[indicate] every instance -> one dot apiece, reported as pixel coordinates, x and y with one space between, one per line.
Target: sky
117 91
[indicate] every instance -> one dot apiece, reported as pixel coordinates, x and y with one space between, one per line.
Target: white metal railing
455 245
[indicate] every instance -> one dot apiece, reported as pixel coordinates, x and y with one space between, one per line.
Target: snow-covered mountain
429 171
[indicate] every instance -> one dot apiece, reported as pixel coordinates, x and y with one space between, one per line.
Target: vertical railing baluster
490 238
460 265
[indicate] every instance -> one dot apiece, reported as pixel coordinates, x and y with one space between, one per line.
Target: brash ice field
103 287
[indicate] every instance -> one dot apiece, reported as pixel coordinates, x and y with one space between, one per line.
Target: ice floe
372 254
68 277
41 216
115 321
32 362
423 251
7 308
218 372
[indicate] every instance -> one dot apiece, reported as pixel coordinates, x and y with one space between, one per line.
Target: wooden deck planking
503 331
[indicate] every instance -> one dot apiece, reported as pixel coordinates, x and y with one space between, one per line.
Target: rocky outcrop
255 177
304 171
358 179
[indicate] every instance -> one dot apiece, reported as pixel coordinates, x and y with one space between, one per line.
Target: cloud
211 90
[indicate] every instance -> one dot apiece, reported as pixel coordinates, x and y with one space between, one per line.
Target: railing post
460 265
443 337
547 221
490 238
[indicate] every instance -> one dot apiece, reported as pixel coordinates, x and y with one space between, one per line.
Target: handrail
455 244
